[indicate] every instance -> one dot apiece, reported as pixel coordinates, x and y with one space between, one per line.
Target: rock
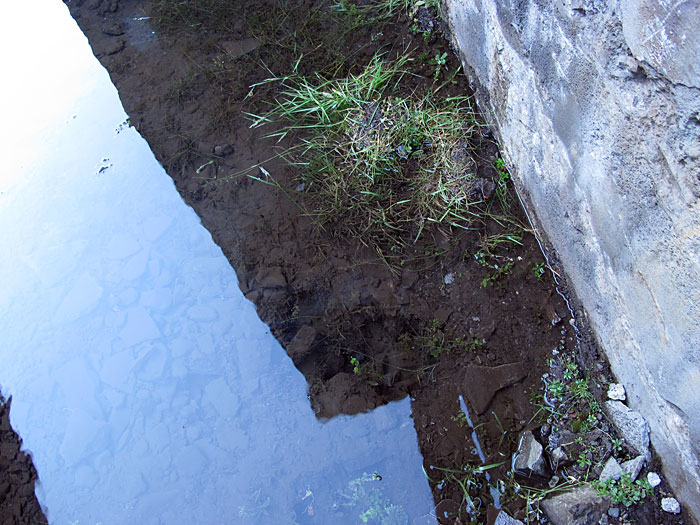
581 506
113 29
633 467
223 150
611 469
614 512
504 519
671 505
528 458
300 345
114 46
577 125
559 456
449 278
616 391
631 425
654 479
271 277
482 382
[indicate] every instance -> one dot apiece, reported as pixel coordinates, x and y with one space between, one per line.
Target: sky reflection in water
144 384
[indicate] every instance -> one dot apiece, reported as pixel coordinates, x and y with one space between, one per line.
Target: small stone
671 505
223 150
614 512
611 469
529 456
616 391
558 455
491 356
633 467
504 519
114 47
578 506
654 479
449 278
553 482
631 425
301 344
113 29
271 277
300 187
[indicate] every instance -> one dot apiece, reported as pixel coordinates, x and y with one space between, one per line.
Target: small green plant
472 345
583 460
538 270
355 365
557 388
460 419
616 446
624 490
440 62
498 270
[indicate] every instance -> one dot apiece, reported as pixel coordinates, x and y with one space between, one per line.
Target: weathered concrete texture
598 109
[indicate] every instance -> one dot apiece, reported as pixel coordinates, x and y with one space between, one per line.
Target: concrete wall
597 105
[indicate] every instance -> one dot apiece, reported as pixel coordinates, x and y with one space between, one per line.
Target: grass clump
193 15
379 165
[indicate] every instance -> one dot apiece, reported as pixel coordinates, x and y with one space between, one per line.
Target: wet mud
458 313
18 503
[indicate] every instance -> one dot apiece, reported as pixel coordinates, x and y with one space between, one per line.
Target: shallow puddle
144 384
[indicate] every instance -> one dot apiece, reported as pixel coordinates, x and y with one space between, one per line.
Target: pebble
449 278
614 512
653 479
223 150
616 391
671 505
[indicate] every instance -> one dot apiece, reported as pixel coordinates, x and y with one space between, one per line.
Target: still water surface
143 382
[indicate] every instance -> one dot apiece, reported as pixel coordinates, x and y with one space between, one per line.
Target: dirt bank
467 312
18 504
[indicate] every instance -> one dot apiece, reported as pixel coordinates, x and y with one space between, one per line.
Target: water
143 382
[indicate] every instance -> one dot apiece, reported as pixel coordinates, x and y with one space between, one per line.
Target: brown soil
326 296
18 504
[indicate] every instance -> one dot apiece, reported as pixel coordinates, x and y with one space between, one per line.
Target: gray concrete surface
597 106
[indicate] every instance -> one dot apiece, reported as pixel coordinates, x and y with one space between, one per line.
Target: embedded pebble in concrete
143 382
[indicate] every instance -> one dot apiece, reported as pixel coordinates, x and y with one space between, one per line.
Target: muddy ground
18 504
364 323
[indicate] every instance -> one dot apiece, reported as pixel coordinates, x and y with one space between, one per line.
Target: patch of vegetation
570 395
469 479
193 15
623 490
498 266
538 270
377 166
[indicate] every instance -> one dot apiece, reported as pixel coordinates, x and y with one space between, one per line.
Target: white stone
671 505
653 479
611 469
633 467
616 391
